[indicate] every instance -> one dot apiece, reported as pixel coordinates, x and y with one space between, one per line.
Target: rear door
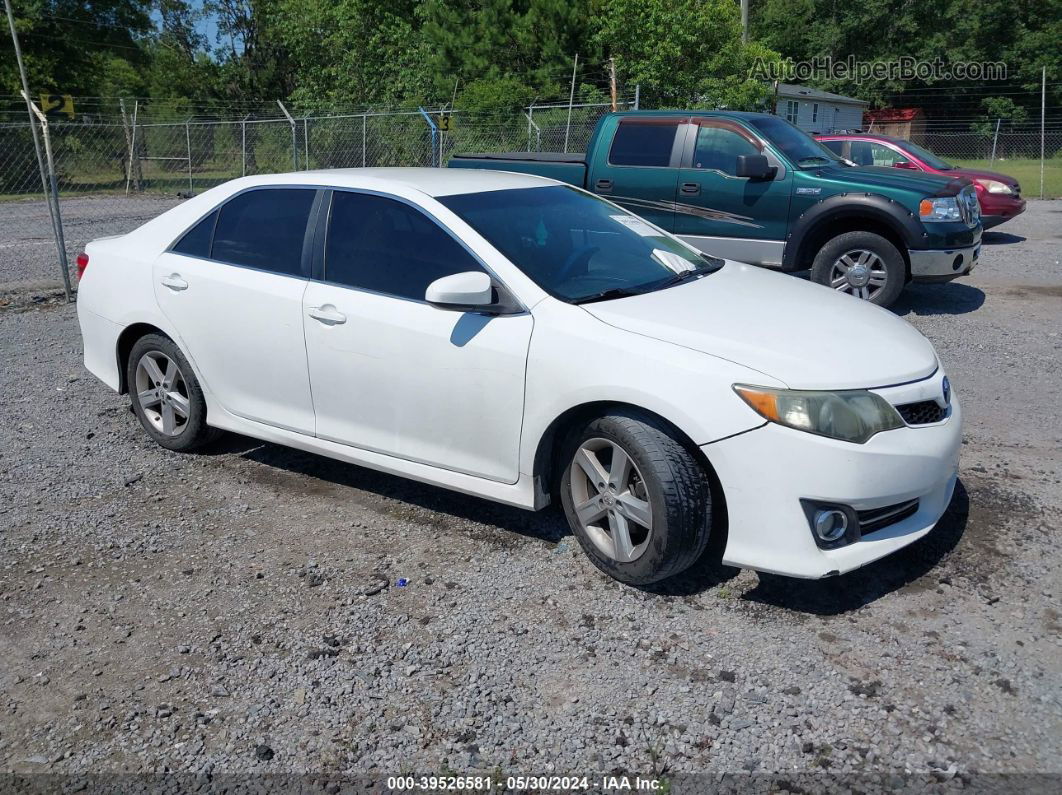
724 214
393 374
232 286
639 171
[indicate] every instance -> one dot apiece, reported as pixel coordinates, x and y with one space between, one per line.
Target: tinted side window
384 245
264 229
837 147
196 241
643 143
718 148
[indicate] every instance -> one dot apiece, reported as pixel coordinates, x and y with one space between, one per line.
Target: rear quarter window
196 241
264 229
643 142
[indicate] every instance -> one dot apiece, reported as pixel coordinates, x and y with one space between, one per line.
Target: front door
640 171
393 374
232 287
724 214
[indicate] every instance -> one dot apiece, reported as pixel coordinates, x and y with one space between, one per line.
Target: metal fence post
305 143
188 142
364 123
637 94
434 132
995 139
57 217
294 137
243 142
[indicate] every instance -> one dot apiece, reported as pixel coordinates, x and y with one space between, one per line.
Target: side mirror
754 167
471 290
904 164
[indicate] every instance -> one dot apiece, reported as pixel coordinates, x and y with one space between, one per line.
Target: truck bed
567 167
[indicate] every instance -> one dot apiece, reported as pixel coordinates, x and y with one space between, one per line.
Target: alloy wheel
610 500
162 393
860 273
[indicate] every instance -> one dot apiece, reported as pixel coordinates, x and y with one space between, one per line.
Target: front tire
635 497
862 264
166 396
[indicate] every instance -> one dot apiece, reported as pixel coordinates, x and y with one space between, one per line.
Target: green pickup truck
754 188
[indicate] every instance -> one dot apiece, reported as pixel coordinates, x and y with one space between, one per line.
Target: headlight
995 186
852 416
945 208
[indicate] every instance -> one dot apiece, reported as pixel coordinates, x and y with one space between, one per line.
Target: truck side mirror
753 167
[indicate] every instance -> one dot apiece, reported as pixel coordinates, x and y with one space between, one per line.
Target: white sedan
519 339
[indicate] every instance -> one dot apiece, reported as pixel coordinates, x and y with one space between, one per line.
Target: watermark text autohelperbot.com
826 67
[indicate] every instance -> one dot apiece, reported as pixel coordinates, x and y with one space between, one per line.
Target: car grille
922 413
969 209
879 518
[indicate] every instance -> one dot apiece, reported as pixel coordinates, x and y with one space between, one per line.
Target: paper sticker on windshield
636 225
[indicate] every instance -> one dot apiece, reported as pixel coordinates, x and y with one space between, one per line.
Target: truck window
718 147
643 142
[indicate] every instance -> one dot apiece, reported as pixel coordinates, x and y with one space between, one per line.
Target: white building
818 111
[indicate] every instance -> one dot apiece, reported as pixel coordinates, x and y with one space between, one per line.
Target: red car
999 195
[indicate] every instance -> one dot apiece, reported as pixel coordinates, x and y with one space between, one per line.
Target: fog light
957 263
830 524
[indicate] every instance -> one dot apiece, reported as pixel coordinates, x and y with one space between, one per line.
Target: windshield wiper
608 295
684 276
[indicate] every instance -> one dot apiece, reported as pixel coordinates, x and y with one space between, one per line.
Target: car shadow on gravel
837 595
1000 239
950 298
381 489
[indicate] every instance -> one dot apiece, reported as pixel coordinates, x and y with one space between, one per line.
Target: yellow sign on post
54 104
445 122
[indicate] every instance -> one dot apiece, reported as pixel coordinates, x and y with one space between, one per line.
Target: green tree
684 53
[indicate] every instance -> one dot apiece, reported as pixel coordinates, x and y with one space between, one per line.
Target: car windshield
926 156
803 150
577 247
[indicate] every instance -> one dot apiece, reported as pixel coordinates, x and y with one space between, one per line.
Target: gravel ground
240 611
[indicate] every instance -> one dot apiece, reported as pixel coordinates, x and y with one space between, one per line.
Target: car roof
430 181
869 135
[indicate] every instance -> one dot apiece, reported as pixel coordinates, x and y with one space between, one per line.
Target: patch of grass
1026 171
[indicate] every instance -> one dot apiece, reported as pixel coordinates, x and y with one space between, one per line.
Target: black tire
193 432
887 253
677 488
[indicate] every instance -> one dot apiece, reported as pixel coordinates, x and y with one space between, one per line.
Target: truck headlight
944 208
851 416
995 186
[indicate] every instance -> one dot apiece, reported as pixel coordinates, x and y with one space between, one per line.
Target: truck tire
635 497
861 264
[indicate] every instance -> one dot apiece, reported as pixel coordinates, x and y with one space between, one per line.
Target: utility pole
571 99
612 81
745 21
51 193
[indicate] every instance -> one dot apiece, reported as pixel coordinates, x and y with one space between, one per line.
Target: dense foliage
486 54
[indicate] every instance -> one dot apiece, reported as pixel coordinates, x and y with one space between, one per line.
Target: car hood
864 177
976 173
800 333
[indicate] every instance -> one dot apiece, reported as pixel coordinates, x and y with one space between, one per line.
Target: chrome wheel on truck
864 265
860 273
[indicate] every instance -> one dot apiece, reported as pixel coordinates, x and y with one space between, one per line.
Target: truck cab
752 187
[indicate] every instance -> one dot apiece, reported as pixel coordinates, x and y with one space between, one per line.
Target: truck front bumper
943 265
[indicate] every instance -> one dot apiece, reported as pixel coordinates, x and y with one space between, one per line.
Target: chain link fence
113 174
116 172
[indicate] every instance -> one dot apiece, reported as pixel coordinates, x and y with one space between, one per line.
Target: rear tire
635 497
166 396
861 264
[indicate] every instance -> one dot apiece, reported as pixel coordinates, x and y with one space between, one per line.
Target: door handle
174 282
603 184
690 188
327 314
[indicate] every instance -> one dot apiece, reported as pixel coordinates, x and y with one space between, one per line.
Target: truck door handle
603 184
174 282
690 188
327 314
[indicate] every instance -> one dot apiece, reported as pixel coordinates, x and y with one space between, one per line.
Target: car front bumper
943 265
766 472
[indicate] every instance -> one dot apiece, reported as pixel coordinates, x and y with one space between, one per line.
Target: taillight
82 263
